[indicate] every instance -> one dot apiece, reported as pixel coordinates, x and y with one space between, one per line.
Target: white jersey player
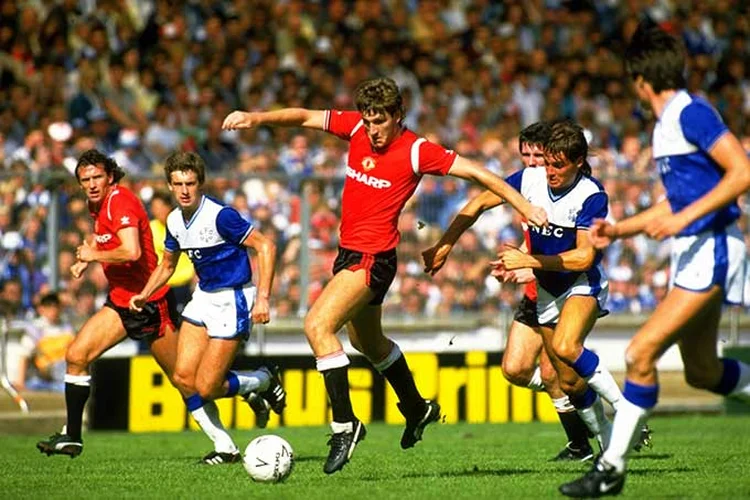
224 305
704 169
571 284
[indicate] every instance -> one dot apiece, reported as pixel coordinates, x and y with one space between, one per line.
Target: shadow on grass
651 456
320 458
651 472
474 472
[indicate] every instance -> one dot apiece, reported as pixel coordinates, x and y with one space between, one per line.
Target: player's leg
191 344
588 406
520 357
228 325
680 311
704 369
205 412
102 331
340 300
164 344
577 447
366 335
576 321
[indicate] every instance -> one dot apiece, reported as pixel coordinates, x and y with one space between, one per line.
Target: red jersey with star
120 209
378 183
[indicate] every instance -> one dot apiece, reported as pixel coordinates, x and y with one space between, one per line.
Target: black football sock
76 396
402 381
337 386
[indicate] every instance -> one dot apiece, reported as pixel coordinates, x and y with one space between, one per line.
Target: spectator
42 365
155 80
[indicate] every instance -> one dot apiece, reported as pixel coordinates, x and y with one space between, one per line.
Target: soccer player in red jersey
385 164
122 243
525 363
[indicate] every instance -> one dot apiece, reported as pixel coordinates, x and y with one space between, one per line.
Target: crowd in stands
138 79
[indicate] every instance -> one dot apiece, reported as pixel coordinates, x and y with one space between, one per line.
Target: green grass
693 457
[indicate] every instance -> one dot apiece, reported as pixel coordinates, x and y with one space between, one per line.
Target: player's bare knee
516 373
184 380
640 362
315 330
77 360
568 351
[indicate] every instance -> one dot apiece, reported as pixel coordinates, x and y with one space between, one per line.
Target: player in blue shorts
525 362
704 170
572 287
225 303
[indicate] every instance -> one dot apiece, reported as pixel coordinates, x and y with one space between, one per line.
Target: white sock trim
338 427
389 360
536 384
81 380
563 405
336 359
742 390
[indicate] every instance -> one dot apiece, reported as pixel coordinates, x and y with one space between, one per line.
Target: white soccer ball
268 459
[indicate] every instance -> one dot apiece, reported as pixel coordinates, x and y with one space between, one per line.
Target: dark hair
536 134
96 157
379 95
656 56
566 138
162 196
185 161
50 299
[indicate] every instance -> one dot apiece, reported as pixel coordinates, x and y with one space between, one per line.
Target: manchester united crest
368 163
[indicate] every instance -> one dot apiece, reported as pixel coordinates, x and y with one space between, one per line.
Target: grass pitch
693 457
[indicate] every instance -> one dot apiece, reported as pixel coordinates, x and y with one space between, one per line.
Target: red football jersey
120 209
378 183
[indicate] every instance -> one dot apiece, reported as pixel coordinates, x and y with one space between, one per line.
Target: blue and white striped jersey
212 238
684 134
567 212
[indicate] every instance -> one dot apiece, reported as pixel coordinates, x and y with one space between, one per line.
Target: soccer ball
268 459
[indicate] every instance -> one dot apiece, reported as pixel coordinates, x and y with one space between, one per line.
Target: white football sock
597 422
259 380
207 417
563 404
626 430
742 390
605 385
536 384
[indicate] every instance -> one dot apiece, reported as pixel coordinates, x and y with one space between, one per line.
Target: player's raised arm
266 251
287 117
472 171
434 257
158 279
